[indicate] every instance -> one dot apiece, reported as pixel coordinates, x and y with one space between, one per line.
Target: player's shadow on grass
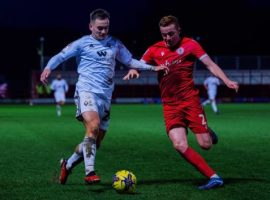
104 186
164 182
232 180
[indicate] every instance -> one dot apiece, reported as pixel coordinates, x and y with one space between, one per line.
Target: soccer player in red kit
181 103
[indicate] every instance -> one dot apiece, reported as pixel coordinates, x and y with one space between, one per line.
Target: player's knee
92 125
180 146
206 145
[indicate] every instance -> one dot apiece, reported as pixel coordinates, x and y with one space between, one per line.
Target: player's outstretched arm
133 73
136 64
217 71
44 75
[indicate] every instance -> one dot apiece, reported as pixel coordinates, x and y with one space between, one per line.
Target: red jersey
178 84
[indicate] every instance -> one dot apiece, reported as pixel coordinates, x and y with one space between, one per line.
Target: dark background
239 27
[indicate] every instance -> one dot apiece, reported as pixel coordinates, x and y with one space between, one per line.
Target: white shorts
212 94
59 96
86 101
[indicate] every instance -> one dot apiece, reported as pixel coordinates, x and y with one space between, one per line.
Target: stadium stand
252 72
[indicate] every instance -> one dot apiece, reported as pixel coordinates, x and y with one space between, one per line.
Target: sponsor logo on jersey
102 53
170 63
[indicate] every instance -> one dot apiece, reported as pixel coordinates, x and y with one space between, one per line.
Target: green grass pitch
33 139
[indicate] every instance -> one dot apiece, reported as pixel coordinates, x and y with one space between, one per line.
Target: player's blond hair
168 20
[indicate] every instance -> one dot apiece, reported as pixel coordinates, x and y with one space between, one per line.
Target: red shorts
185 114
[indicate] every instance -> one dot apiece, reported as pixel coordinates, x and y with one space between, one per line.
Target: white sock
76 157
215 176
89 154
73 160
214 106
58 110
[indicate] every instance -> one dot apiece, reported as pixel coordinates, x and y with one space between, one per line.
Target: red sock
197 161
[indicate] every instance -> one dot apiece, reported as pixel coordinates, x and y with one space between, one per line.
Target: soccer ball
124 181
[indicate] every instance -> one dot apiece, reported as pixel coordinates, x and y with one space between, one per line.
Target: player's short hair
99 14
168 20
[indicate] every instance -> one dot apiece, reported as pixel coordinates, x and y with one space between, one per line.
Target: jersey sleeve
69 51
123 55
147 56
197 50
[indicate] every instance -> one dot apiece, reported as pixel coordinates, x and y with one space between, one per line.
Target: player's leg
214 106
205 141
175 120
70 163
87 112
58 99
61 102
212 97
100 137
207 101
198 125
77 157
213 135
104 111
58 108
179 140
91 122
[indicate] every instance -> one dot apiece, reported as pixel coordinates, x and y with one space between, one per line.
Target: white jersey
59 86
96 61
212 84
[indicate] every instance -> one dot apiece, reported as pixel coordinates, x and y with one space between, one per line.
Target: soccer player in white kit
96 58
211 84
60 88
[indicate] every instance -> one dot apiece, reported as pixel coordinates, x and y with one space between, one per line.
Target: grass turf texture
33 139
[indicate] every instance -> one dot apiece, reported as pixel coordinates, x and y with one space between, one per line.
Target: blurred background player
96 54
3 87
60 88
211 84
181 103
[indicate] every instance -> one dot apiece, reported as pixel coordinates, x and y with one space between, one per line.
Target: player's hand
162 68
233 85
132 73
44 75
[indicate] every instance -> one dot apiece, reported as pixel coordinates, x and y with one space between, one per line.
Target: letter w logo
102 53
